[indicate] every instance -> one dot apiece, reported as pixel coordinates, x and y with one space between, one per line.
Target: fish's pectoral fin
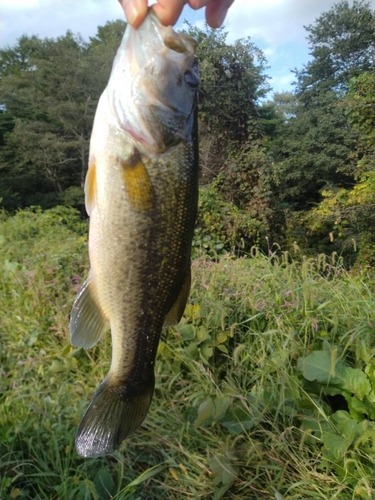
87 321
137 183
110 418
177 310
90 187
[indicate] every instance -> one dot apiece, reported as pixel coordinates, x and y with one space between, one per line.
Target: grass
266 389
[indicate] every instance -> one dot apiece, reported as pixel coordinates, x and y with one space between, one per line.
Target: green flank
265 390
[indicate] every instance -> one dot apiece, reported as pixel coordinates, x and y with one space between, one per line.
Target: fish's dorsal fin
137 183
90 187
87 321
177 310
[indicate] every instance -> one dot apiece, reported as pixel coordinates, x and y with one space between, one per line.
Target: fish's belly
139 259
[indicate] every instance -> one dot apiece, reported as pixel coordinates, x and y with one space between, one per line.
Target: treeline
298 170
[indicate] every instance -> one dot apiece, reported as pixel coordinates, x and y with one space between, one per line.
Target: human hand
168 11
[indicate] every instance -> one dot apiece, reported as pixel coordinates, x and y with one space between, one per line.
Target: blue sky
275 26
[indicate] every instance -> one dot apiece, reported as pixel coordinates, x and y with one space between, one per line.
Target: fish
141 194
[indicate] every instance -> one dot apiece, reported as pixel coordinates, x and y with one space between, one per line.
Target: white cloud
274 21
200 24
281 83
275 26
20 4
51 18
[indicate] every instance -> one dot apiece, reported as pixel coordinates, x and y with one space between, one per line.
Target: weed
264 390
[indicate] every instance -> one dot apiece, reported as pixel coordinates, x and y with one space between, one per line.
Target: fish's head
154 83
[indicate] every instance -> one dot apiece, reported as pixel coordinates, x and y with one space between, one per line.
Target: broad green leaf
202 334
222 337
335 444
104 484
355 381
207 352
222 348
370 372
10 266
187 332
351 430
221 404
224 471
323 367
317 366
362 408
315 426
205 412
192 351
355 406
57 366
237 419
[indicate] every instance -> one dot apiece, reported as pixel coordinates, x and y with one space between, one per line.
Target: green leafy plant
247 384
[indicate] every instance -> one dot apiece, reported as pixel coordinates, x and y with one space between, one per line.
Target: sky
275 26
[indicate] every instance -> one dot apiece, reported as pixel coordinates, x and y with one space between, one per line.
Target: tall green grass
266 389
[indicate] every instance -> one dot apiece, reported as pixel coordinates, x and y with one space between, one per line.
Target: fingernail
130 12
196 4
220 17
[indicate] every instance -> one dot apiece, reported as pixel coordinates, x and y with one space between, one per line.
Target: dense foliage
48 107
266 389
294 170
325 146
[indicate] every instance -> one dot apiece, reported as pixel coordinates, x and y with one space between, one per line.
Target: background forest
266 388
297 170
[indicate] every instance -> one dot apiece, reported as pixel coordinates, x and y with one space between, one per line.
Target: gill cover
153 98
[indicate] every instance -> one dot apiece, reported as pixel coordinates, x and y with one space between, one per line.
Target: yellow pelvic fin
177 310
90 187
138 187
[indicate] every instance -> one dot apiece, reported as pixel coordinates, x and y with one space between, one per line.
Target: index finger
168 11
135 11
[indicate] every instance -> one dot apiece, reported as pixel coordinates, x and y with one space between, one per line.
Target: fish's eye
191 78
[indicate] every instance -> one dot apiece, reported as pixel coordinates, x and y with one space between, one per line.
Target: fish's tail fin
110 418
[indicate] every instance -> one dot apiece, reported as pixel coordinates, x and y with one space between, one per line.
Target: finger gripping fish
141 194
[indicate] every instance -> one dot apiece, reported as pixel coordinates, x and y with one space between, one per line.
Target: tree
349 214
232 82
235 165
342 43
360 106
49 90
49 105
315 147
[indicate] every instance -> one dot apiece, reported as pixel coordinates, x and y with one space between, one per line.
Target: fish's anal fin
110 418
87 321
177 310
137 183
90 187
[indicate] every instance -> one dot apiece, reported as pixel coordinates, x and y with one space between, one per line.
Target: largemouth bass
141 194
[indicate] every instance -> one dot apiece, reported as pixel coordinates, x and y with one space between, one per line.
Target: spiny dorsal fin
137 183
87 322
90 187
177 310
